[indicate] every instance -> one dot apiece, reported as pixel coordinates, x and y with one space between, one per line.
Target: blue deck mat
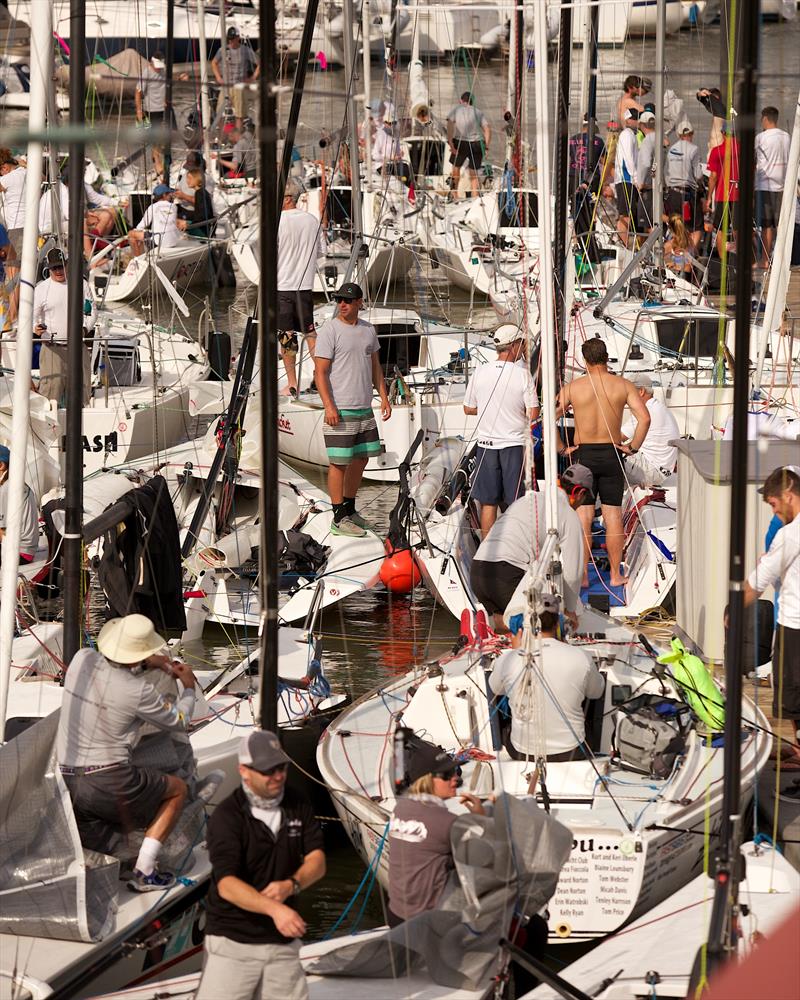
599 581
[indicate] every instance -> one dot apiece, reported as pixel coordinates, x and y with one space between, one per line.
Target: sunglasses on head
270 771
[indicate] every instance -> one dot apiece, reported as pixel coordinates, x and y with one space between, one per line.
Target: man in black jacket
266 847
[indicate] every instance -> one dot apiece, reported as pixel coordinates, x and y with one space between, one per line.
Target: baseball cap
232 32
685 127
507 334
429 759
631 115
261 750
161 189
785 468
551 603
641 380
578 475
348 292
647 118
158 59
5 454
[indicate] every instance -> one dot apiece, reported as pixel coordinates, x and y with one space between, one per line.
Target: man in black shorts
508 550
468 136
300 245
598 401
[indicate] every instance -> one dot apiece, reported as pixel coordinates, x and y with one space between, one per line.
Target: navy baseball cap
161 189
349 292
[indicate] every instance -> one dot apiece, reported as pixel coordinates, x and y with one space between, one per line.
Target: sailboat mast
352 128
170 60
562 149
41 43
547 323
205 104
73 471
658 155
268 371
297 97
722 930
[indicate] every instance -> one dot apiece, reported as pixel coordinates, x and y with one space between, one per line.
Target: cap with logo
232 32
647 118
429 759
261 750
349 292
578 475
551 603
507 334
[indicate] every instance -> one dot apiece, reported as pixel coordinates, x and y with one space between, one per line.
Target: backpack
650 734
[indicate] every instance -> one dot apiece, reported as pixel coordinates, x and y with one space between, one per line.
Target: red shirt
716 164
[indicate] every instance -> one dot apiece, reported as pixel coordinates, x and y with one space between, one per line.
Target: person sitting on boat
421 857
194 161
507 552
387 153
243 159
160 219
679 249
781 564
598 401
265 847
107 700
468 135
29 528
655 460
503 397
50 317
201 221
565 677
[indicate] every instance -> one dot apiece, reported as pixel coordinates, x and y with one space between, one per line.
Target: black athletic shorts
295 315
605 462
494 583
645 209
768 208
124 796
470 153
627 199
686 203
786 662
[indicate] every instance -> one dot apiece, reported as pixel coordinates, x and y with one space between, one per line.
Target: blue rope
368 880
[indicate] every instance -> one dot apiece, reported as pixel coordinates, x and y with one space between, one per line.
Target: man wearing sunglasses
265 847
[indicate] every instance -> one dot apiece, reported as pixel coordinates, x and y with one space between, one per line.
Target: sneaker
154 882
348 527
362 522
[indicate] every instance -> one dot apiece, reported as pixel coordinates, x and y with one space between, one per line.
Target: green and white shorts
355 436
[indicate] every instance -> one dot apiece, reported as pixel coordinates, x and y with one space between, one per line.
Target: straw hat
129 640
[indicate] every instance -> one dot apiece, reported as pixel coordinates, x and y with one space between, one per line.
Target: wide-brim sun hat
129 640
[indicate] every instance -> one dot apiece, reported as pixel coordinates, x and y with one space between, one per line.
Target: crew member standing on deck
348 367
240 69
598 400
625 162
503 397
301 243
29 522
781 490
468 135
266 847
50 311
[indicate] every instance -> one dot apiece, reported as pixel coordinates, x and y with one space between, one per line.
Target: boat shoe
348 527
154 882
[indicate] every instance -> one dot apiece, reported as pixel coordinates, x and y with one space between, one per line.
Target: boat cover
503 862
49 886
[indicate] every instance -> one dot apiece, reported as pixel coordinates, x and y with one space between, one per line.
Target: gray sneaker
362 522
348 527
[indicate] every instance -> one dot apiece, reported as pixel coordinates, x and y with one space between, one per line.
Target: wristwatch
633 451
296 887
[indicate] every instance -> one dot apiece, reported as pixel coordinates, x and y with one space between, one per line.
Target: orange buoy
399 572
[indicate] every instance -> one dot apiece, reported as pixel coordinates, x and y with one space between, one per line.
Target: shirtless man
598 400
633 88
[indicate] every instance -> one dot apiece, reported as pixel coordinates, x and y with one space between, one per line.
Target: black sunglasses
272 770
448 775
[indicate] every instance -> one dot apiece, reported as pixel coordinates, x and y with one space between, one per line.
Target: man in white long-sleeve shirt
106 703
625 175
781 490
50 318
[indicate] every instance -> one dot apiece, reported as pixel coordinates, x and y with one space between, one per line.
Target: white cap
507 334
684 127
647 118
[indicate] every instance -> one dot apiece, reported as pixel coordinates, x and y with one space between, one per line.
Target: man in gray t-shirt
240 67
347 367
468 136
